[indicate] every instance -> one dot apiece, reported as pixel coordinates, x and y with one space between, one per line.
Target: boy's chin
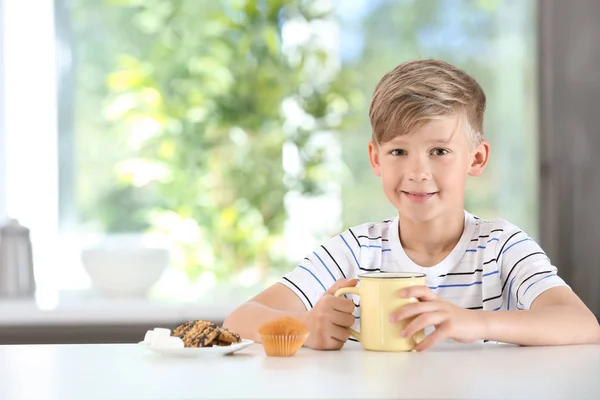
417 217
422 215
426 215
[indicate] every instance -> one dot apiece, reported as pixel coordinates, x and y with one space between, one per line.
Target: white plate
201 351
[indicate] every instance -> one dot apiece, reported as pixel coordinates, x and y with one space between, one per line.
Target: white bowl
124 272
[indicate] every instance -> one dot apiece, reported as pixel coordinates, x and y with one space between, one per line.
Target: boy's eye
398 152
439 152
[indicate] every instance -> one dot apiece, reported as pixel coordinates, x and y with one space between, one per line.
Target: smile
419 197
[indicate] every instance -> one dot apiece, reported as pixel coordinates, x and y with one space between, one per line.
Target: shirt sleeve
319 270
525 270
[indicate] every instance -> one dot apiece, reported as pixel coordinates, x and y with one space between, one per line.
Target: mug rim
392 275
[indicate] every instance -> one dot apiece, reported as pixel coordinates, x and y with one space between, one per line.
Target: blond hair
417 92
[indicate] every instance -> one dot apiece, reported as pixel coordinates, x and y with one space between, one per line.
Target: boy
485 279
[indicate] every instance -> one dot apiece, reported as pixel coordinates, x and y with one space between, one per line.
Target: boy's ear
480 159
374 158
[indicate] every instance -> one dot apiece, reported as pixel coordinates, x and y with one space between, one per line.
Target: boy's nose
418 170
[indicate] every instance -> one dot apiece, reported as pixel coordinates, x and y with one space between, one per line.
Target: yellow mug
379 297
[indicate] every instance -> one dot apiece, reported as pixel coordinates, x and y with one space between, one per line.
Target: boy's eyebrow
444 141
400 142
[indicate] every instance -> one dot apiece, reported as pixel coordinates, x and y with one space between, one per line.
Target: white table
449 371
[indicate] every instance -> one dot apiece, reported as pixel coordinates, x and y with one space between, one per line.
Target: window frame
568 218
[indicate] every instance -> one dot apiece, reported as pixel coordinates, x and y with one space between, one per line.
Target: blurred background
171 158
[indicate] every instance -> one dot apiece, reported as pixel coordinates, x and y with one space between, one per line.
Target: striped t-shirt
494 266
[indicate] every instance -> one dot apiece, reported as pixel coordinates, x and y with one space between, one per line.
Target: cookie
183 328
225 335
200 335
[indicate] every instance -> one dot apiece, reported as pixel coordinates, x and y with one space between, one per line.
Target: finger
342 319
335 344
436 336
341 283
422 293
342 305
338 333
423 321
414 309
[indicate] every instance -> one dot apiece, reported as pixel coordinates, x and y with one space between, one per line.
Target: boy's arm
306 293
327 321
550 313
556 317
275 302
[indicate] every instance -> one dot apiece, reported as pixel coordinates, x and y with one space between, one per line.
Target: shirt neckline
407 264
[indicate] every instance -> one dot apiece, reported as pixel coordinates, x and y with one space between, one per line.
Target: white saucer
200 351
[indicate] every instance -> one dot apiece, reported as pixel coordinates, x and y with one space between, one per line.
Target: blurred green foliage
206 95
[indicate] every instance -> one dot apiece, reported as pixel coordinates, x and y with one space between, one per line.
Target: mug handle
350 290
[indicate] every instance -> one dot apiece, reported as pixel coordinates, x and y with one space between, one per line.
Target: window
236 131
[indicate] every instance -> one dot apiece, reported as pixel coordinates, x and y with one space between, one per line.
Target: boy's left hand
449 320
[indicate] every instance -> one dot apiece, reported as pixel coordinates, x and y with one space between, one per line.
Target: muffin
283 337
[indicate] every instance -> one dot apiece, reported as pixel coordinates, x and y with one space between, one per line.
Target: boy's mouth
419 197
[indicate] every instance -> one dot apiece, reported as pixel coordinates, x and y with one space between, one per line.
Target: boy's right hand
330 319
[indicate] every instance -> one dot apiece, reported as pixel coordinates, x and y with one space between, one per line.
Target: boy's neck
428 243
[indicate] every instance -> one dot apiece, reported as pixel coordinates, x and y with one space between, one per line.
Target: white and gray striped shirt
494 266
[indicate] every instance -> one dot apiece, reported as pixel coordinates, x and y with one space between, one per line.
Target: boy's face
424 172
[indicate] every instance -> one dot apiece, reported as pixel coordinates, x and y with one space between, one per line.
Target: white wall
2 124
30 180
30 111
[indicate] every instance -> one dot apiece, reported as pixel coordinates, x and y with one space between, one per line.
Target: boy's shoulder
496 227
371 230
